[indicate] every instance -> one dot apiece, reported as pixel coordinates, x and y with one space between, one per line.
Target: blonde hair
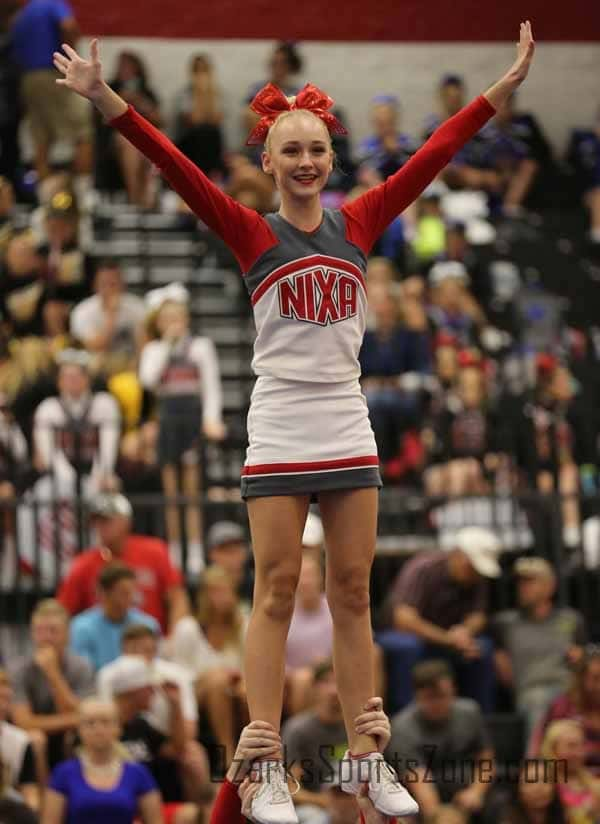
120 751
285 116
204 611
554 732
50 606
151 323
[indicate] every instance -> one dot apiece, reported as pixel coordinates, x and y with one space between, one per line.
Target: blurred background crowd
125 343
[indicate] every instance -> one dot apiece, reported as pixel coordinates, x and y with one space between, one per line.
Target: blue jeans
475 678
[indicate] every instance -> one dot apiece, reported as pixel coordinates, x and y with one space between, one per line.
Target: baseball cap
130 672
482 548
107 505
445 269
225 532
533 568
313 534
73 357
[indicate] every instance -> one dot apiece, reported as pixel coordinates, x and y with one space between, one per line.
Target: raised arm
368 216
242 229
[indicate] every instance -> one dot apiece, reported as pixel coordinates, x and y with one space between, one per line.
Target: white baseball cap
313 534
482 548
130 672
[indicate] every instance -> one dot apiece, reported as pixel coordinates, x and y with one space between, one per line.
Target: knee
348 590
277 592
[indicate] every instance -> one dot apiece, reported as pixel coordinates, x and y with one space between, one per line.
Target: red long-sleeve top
307 289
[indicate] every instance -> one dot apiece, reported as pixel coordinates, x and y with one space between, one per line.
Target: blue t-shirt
87 805
96 638
36 33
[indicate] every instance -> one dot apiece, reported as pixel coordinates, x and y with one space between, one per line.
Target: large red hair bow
270 102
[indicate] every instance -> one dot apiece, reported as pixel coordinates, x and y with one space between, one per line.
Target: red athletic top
154 572
307 288
227 808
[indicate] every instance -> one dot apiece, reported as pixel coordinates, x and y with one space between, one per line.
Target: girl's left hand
373 721
365 805
525 50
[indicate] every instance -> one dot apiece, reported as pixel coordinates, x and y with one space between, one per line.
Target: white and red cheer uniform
308 424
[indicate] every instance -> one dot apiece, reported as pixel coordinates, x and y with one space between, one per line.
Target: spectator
141 640
67 266
284 64
310 636
538 643
581 702
210 648
198 118
96 633
453 309
22 286
133 688
15 812
76 435
523 132
50 683
40 29
392 358
118 160
182 370
227 547
578 788
13 454
465 444
315 744
553 439
387 149
584 158
10 108
101 783
535 799
438 608
159 583
451 94
16 753
441 741
109 323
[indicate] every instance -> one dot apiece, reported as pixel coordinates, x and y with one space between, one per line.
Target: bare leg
83 159
276 526
216 695
520 183
171 490
593 202
350 523
41 160
568 480
190 482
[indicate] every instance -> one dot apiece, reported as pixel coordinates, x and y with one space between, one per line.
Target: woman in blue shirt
100 785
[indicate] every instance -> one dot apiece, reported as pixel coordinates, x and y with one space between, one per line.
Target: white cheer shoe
385 790
272 803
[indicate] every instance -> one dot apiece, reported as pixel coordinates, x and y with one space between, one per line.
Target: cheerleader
183 372
308 426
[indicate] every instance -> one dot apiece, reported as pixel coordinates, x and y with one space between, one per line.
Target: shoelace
388 776
277 784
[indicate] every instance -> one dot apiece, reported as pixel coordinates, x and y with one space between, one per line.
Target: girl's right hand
79 75
259 739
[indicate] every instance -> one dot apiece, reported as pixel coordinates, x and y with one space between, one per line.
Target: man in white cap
227 547
159 584
437 607
538 643
133 687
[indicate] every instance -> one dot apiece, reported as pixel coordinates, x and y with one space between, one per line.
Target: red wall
395 20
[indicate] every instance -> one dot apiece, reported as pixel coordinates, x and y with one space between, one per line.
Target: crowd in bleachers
481 381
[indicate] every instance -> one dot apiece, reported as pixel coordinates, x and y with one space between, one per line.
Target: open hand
82 76
525 50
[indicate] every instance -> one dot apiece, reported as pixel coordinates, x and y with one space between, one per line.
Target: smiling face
298 154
